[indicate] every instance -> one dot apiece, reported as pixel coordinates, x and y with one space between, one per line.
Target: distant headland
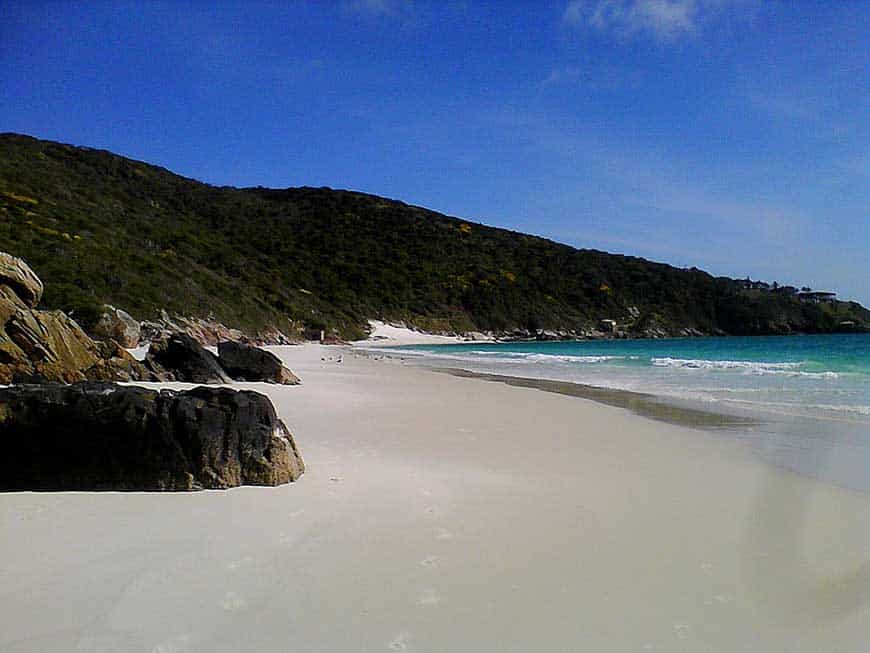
102 229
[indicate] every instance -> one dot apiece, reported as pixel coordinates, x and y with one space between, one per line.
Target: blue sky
732 135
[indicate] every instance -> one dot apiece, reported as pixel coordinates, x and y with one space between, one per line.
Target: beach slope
440 513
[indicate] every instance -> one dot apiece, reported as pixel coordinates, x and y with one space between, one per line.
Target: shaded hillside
98 228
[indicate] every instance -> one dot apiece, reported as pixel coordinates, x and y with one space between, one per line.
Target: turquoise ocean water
810 395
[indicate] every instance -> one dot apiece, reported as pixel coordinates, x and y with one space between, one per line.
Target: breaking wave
746 367
701 364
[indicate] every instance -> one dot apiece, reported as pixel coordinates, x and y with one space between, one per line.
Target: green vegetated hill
100 228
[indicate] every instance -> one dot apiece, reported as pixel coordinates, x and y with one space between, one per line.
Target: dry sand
384 334
449 514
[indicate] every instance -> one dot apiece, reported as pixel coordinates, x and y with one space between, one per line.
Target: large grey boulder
120 326
16 274
103 436
245 362
186 360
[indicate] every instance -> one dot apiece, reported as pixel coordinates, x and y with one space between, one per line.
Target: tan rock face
56 346
286 377
13 361
10 303
117 364
120 326
18 276
49 345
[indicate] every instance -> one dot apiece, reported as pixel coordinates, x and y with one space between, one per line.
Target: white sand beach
449 514
392 335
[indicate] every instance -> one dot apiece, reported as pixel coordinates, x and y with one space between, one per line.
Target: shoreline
643 404
801 439
385 334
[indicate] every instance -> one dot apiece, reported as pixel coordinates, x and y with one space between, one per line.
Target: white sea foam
545 358
531 357
757 368
805 375
508 357
804 407
843 408
702 364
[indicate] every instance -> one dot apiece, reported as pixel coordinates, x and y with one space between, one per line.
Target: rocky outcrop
115 324
54 344
48 345
245 362
10 304
186 360
17 275
117 364
208 331
103 436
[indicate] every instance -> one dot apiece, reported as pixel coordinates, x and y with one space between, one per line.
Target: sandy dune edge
442 513
391 335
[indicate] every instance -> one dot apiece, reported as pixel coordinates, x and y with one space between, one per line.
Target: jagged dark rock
186 359
245 362
103 436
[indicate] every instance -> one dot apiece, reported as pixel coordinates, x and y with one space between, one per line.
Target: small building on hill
817 296
607 326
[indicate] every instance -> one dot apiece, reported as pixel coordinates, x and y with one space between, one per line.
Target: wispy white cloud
405 14
664 20
380 8
827 108
662 206
601 77
372 7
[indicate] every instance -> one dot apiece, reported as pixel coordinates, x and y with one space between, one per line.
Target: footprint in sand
443 534
178 644
681 631
400 643
718 598
429 597
233 601
241 562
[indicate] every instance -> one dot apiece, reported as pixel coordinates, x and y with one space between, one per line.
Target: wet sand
645 405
